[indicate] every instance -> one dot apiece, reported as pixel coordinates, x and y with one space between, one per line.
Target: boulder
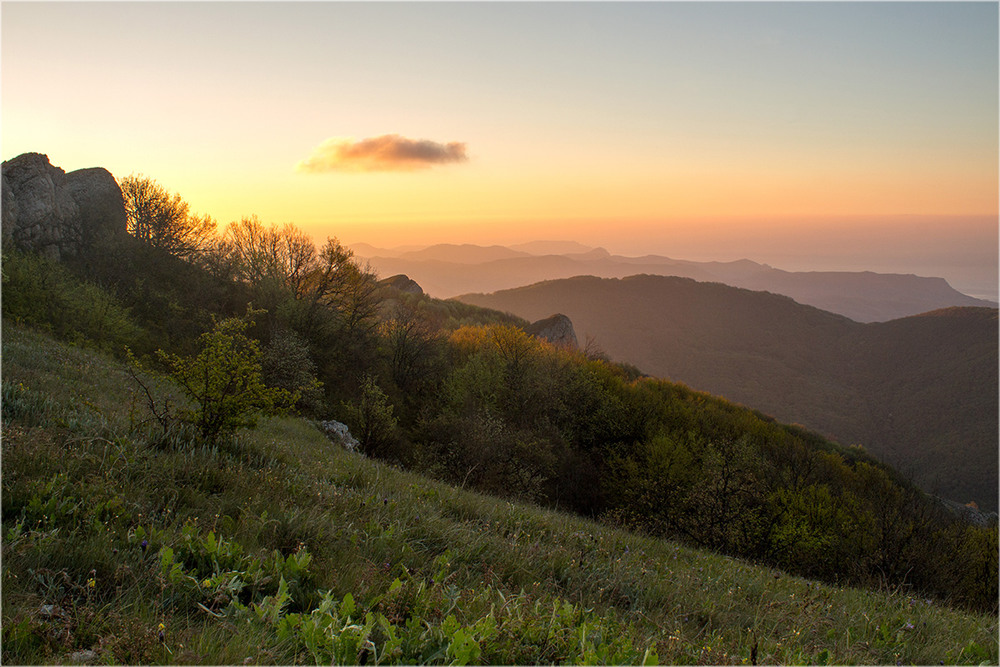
556 329
59 215
340 434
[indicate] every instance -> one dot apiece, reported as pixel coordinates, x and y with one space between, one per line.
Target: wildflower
91 583
162 631
206 583
144 545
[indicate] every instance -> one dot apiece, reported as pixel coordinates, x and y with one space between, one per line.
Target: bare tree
286 256
162 219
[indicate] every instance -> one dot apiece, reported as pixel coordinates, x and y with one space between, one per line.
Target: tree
411 347
283 256
225 380
371 418
162 219
323 295
285 363
339 282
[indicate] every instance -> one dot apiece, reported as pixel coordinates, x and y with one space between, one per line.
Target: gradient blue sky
795 133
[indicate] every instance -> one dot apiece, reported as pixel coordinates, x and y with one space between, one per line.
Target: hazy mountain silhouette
921 391
465 253
551 247
449 270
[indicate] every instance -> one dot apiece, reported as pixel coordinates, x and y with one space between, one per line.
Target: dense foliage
467 396
225 381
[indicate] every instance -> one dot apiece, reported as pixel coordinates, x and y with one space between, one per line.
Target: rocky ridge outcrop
59 214
556 329
403 283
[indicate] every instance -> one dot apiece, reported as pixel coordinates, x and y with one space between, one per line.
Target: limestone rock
57 214
83 657
556 329
339 433
403 283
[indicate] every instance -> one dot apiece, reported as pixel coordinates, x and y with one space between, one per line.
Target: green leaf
347 607
166 559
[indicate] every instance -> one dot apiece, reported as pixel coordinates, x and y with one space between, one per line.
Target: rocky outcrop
340 434
59 215
970 513
556 329
403 283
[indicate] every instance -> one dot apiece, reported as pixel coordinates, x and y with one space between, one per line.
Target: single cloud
390 152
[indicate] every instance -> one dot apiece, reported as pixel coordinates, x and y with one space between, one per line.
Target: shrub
44 294
286 364
371 419
226 381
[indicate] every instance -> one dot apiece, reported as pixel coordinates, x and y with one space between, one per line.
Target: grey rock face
556 329
57 214
340 434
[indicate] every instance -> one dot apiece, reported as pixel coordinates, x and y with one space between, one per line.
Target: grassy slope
503 571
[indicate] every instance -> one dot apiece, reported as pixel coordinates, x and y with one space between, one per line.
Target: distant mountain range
448 270
920 392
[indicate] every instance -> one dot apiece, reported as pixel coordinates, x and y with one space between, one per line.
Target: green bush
286 364
371 419
44 294
225 380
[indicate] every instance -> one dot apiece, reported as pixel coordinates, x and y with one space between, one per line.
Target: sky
828 136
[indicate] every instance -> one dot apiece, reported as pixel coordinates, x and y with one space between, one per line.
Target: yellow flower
206 583
161 627
91 583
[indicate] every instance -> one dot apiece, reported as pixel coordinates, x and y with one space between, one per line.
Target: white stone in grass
340 434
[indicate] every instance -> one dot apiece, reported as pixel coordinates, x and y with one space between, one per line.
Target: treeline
464 395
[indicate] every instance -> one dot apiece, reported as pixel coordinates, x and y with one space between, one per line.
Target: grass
278 547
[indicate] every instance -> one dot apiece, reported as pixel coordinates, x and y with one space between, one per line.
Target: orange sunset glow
623 125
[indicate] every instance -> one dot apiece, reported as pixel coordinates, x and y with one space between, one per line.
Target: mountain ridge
864 296
919 391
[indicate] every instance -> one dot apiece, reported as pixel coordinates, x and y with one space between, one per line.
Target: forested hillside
919 392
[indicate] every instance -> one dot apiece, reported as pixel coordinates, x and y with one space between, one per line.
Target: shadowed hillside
920 392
